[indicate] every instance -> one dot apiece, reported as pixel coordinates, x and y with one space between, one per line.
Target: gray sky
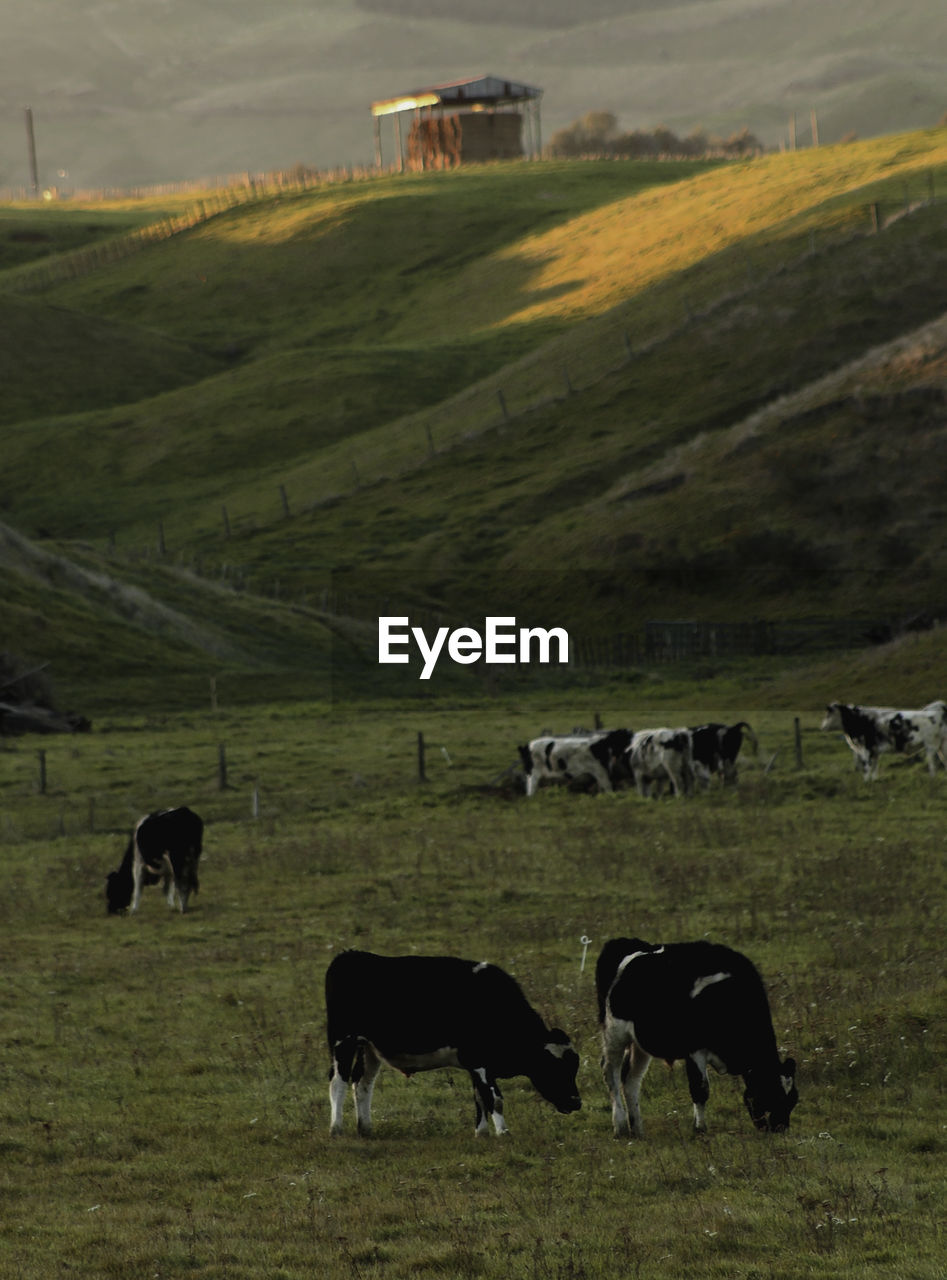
130 92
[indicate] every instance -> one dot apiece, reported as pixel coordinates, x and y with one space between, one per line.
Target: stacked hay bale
443 142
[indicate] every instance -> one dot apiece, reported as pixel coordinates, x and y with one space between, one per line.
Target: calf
163 846
576 756
716 747
869 731
699 1001
417 1013
659 756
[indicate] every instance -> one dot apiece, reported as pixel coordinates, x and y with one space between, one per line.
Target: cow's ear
787 1074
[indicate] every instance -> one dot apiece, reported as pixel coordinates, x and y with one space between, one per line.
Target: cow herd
703 1003
699 1002
680 759
650 760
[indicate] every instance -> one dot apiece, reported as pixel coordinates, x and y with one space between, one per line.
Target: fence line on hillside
496 404
233 193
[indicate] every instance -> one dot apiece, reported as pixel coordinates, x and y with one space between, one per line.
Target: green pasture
426 377
164 1103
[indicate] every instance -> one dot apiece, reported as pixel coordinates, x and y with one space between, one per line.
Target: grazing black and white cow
658 756
576 756
163 846
699 1001
417 1013
715 749
869 731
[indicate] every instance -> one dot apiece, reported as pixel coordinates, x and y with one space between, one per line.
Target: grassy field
164 1102
222 454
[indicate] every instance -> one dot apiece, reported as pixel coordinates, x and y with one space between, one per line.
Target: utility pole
31 147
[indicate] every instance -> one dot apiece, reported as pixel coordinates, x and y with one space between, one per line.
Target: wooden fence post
42 772
797 729
422 776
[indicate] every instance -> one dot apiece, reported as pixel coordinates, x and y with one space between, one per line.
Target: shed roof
476 91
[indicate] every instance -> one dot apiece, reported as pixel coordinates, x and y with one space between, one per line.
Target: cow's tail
748 730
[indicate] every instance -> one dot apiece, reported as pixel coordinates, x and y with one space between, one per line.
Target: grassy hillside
600 392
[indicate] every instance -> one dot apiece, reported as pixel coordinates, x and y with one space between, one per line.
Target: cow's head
553 1072
833 716
118 892
770 1097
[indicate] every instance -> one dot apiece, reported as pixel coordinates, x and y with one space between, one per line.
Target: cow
163 846
575 756
418 1013
715 749
699 1001
657 756
869 731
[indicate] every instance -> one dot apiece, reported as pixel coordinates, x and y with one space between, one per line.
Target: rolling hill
593 393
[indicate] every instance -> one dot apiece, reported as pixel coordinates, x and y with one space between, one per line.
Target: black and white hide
418 1013
164 846
697 1001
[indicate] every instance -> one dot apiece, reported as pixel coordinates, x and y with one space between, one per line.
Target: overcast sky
128 92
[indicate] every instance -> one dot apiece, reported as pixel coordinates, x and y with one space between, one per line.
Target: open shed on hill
462 122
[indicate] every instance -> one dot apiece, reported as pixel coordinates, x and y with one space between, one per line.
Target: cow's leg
867 761
488 1101
614 1070
640 1062
364 1085
344 1071
338 1088
601 777
699 1086
137 873
532 782
623 1061
169 882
